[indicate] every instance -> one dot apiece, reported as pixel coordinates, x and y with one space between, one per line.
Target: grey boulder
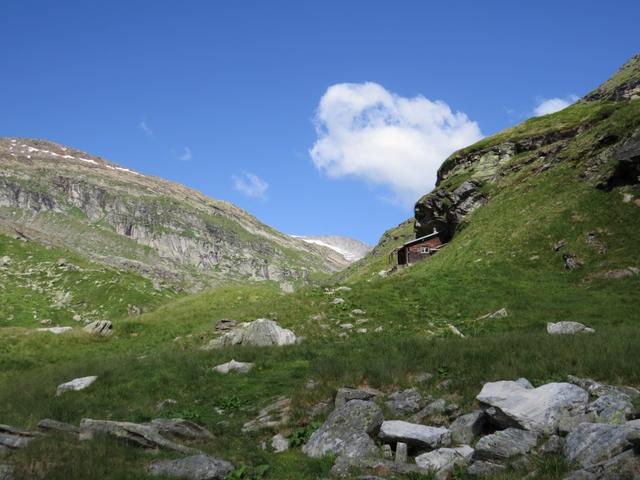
346 394
465 428
593 443
48 424
536 409
259 333
567 328
505 444
12 438
613 407
406 401
441 462
346 432
233 366
625 466
196 467
414 434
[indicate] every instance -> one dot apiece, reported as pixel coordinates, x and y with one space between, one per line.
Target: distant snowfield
352 250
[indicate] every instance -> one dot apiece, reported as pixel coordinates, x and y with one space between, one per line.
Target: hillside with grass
544 226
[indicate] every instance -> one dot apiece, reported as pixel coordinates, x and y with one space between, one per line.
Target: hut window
424 249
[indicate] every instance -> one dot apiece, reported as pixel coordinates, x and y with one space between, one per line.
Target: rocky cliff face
58 195
600 134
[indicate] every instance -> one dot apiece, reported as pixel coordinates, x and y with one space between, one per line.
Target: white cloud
145 128
551 105
186 155
370 133
251 185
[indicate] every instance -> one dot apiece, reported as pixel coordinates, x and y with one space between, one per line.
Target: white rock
233 366
414 434
337 301
260 333
567 328
102 328
55 330
76 384
536 409
346 326
279 443
444 460
455 331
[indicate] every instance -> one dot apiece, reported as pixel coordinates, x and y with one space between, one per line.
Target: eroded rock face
346 432
443 211
414 434
195 467
509 404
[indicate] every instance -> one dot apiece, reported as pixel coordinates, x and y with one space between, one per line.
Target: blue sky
266 103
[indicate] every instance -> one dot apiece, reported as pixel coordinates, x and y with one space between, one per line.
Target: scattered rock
279 443
358 311
559 245
180 428
571 262
614 407
142 435
536 409
133 310
225 325
444 460
401 452
497 314
465 428
620 273
346 394
346 431
6 472
505 444
55 330
553 444
625 466
598 389
272 416
406 401
260 333
48 424
12 438
167 402
102 328
592 443
413 434
567 328
233 366
378 329
196 467
387 452
361 330
76 384
480 468
320 408
455 330
5 261
337 301
346 326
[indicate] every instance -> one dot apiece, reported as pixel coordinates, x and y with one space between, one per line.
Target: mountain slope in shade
174 235
351 249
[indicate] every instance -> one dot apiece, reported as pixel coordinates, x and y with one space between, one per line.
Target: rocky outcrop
443 210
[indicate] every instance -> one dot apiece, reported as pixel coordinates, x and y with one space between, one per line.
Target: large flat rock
536 409
414 434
